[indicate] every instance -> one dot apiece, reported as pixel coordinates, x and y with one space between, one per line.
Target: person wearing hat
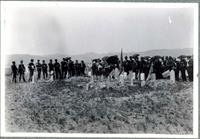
157 65
144 68
39 69
51 66
57 69
63 68
51 70
67 59
190 69
14 72
21 69
94 68
137 66
44 69
126 65
170 63
77 68
183 66
133 64
31 68
100 68
82 68
177 68
69 68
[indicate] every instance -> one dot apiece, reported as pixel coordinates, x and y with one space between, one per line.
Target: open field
66 106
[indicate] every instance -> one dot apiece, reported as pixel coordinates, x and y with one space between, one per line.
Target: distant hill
168 52
87 57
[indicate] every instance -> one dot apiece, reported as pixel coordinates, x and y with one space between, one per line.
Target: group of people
65 69
102 67
158 65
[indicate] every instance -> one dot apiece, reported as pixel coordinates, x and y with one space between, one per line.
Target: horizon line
95 52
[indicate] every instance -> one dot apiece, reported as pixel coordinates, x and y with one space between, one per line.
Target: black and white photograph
99 69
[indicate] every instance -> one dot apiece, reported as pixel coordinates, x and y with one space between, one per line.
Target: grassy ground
66 106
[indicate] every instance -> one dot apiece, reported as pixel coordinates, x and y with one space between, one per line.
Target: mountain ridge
87 57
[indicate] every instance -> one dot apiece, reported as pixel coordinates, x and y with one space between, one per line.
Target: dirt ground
107 107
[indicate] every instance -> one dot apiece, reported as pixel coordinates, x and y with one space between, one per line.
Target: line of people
65 69
159 65
68 68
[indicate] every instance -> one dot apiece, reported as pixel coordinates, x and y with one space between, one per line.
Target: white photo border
10 4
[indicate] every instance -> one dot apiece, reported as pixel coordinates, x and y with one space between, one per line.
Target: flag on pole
121 61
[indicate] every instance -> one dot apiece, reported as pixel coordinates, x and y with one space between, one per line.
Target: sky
40 29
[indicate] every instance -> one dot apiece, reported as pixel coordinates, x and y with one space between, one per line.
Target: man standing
64 68
71 68
190 69
76 67
157 68
144 67
44 69
83 66
39 69
14 72
133 64
31 68
170 63
67 70
21 69
126 65
51 68
137 67
177 69
57 69
183 65
94 68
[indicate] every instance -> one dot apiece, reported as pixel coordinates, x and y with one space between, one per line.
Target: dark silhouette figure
183 65
44 70
177 69
190 69
21 70
71 68
39 69
77 68
126 65
64 68
137 66
144 68
31 68
156 69
82 68
14 72
51 66
57 69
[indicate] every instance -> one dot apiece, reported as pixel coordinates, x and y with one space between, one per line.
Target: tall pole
121 61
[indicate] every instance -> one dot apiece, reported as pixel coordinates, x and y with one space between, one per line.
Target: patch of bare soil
107 107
